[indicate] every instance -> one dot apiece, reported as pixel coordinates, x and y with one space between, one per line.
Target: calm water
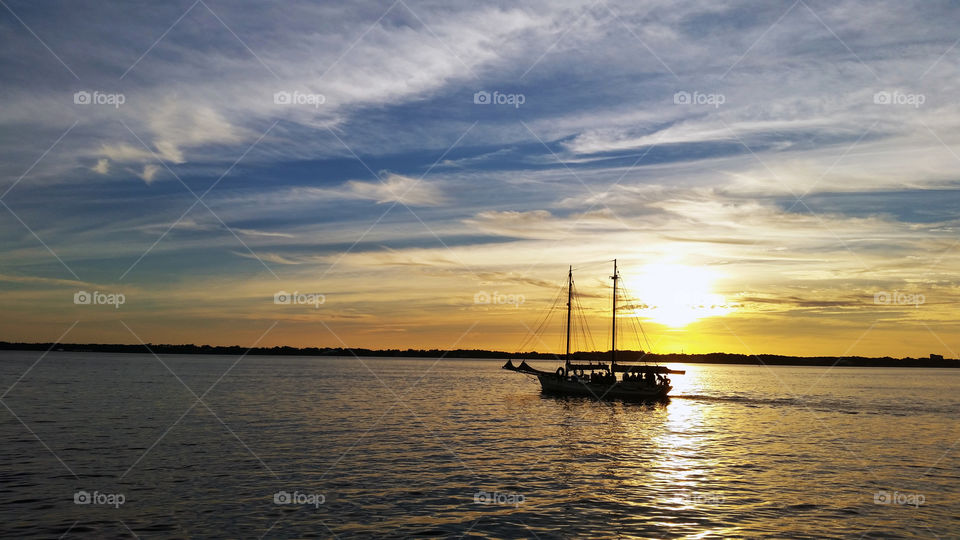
740 451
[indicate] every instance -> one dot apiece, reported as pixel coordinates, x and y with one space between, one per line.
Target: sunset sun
676 295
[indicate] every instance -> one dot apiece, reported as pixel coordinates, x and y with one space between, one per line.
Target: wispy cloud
396 188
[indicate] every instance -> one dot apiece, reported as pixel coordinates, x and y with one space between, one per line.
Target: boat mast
569 307
613 345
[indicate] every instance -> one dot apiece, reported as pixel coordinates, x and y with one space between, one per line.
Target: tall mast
613 345
569 307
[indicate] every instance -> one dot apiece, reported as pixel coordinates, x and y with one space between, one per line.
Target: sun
676 295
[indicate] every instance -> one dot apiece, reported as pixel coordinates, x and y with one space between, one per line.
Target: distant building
936 356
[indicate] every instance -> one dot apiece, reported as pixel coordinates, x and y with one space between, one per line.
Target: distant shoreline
933 361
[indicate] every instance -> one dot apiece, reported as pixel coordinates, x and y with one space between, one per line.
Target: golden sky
772 179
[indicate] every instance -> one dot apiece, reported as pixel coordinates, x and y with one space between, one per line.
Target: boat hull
571 386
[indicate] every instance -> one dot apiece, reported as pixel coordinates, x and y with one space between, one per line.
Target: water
405 448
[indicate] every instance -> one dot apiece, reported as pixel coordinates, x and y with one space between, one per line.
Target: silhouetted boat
599 379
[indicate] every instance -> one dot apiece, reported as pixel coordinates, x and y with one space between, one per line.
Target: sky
772 177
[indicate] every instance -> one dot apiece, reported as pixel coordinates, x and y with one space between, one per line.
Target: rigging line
541 325
585 342
588 335
566 333
647 341
569 335
636 322
546 319
575 309
592 263
583 332
591 344
626 303
574 300
631 305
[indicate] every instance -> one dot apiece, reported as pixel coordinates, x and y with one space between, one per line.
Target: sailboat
599 380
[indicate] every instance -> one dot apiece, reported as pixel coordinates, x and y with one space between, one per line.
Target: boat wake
820 405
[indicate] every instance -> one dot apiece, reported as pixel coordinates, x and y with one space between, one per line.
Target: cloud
396 188
177 123
183 114
42 280
272 257
266 234
102 166
124 153
212 224
149 173
512 278
797 302
530 224
542 224
173 125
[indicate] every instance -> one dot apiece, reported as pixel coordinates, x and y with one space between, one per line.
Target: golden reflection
681 459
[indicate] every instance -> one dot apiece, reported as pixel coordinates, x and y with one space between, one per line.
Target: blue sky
814 168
